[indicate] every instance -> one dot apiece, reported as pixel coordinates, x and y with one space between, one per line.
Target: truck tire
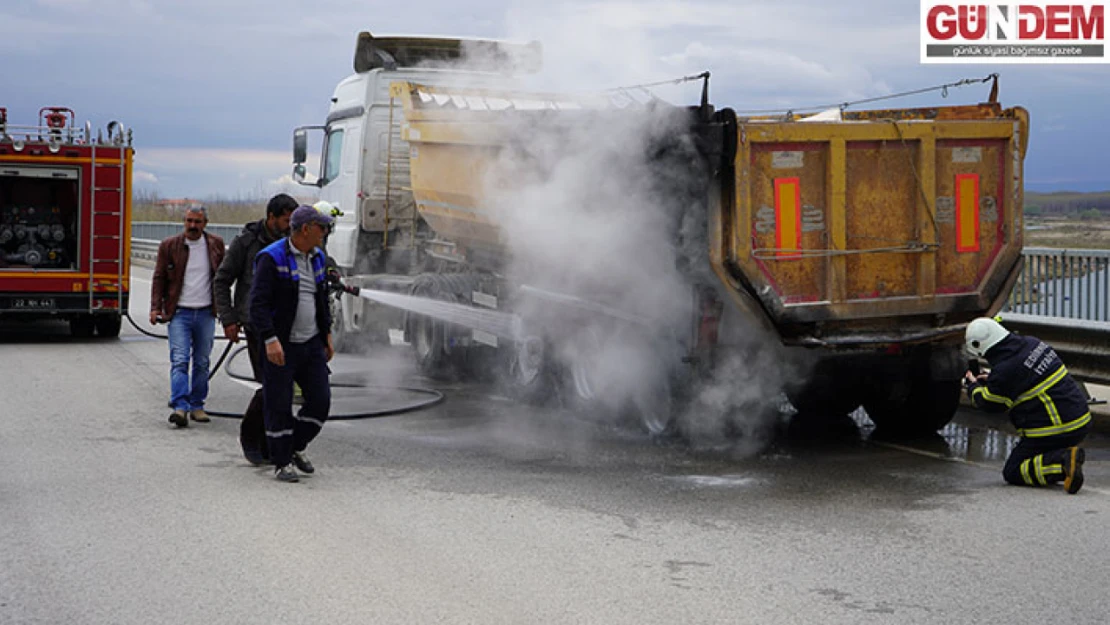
649 398
341 338
585 384
826 394
426 335
652 406
923 408
108 326
528 370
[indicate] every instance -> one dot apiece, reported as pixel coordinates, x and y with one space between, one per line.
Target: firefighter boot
1073 469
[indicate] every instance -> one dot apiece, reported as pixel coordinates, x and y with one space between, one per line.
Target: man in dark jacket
238 269
181 294
1046 405
289 312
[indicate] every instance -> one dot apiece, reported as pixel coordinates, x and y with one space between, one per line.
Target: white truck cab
364 163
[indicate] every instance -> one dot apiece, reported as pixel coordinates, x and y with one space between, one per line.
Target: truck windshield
333 150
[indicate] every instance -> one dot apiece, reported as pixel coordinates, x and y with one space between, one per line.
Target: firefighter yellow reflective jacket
1029 379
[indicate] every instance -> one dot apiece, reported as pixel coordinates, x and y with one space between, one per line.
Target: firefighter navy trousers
1041 461
307 365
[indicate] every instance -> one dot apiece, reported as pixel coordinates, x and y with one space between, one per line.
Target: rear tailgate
895 221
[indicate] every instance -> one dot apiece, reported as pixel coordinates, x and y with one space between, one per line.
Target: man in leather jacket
181 294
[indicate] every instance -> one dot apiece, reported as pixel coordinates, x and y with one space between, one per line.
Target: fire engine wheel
82 327
108 326
927 406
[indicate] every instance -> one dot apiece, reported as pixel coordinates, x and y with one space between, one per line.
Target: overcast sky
213 88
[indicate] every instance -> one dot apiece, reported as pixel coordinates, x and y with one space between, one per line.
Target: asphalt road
479 510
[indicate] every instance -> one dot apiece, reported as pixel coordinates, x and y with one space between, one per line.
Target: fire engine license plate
33 303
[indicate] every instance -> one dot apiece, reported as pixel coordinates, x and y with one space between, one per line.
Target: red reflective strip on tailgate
788 216
967 212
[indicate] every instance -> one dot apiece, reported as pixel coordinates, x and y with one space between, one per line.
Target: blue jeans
191 334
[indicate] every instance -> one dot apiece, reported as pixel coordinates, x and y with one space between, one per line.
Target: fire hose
432 398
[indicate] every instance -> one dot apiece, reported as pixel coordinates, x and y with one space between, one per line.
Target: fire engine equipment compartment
39 213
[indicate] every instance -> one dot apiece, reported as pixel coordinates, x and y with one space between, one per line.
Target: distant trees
1066 204
147 205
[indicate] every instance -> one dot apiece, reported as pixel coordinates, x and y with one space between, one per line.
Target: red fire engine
65 222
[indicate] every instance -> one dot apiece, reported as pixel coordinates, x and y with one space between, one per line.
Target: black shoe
179 418
302 462
1074 470
286 474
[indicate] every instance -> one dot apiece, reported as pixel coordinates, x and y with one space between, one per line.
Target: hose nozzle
335 282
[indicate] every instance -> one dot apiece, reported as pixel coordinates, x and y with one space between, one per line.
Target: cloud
198 172
140 177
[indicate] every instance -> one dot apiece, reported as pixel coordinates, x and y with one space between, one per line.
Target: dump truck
855 245
65 222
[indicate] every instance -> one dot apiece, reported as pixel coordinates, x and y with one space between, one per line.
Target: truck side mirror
298 173
300 149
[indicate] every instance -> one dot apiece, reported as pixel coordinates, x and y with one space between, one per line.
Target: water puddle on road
970 438
717 481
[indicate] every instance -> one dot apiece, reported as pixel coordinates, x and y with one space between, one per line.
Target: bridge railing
1071 284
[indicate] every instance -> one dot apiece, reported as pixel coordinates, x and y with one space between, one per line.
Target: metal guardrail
144 248
1063 298
1073 284
158 230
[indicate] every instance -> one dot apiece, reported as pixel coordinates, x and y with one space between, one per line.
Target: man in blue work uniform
1046 405
289 312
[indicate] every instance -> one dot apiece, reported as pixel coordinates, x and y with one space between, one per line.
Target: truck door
339 177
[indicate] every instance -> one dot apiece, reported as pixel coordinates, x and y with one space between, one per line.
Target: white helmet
327 208
983 334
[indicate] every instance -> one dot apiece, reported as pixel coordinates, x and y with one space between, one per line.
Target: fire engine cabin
65 222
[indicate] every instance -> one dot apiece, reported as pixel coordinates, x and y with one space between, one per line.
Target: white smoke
602 214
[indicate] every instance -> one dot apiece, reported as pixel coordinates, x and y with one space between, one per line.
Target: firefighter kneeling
1046 406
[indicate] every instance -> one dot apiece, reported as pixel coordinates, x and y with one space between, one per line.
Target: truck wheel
340 337
653 406
427 345
825 394
925 407
585 375
425 333
108 326
650 401
528 371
